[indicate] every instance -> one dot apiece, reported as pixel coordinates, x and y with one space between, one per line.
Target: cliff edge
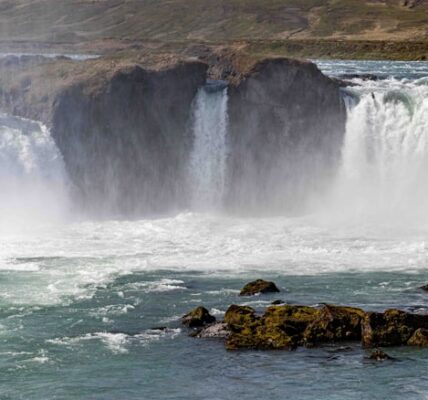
124 127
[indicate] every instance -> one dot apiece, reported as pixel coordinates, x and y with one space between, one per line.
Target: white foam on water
163 285
72 265
117 343
112 310
216 311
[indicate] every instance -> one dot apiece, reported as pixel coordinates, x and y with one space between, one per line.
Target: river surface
82 301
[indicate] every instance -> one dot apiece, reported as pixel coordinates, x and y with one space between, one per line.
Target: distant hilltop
77 20
108 24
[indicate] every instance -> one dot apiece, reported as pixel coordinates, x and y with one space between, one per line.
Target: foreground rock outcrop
286 327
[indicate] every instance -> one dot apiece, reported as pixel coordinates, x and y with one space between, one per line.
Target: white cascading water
208 158
32 175
385 153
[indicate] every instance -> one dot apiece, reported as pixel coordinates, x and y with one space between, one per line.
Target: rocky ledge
287 326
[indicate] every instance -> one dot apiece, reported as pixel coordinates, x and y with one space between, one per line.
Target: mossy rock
294 316
280 327
261 338
419 338
242 322
391 328
237 317
334 324
258 286
198 317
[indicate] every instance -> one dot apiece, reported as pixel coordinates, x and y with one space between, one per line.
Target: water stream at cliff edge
81 302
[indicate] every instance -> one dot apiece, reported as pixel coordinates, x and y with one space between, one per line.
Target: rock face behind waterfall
123 128
286 128
127 145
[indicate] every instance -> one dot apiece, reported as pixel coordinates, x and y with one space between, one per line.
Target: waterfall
32 174
208 157
385 152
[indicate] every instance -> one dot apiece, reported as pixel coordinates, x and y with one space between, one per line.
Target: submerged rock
379 355
424 288
391 328
419 338
277 302
258 286
197 318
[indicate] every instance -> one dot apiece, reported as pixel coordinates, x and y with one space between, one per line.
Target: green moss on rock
391 328
258 286
334 323
239 316
280 327
198 317
419 338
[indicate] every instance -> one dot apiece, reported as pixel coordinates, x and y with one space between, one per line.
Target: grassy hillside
85 21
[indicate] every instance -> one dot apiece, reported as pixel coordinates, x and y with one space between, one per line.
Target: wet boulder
258 286
419 338
198 317
334 324
219 330
291 318
424 288
391 328
242 322
238 317
280 327
283 326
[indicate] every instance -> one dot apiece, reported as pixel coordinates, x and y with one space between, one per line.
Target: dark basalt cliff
286 128
123 127
126 145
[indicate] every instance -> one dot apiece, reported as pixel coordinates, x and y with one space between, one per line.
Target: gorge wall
125 129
